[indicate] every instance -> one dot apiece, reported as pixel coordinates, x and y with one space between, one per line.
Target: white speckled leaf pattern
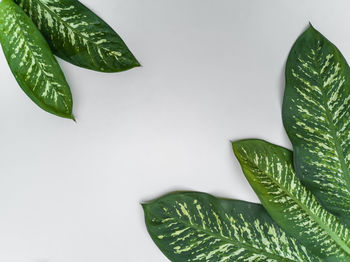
79 36
269 170
316 116
32 62
191 226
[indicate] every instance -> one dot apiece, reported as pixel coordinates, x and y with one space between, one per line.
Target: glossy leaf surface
190 226
79 36
316 115
269 170
32 62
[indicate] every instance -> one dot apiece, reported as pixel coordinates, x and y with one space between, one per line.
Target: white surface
212 72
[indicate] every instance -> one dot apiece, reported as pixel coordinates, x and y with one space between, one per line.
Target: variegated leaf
190 226
32 62
316 115
269 170
79 36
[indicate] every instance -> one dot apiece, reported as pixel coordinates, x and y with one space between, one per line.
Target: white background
212 72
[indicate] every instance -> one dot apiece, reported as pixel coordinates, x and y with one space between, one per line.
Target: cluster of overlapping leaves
31 31
304 213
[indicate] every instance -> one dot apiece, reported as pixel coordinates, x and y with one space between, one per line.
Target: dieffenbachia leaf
269 170
190 226
32 62
79 36
316 116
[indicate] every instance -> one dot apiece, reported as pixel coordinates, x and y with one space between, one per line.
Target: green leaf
32 63
269 170
316 116
190 226
79 36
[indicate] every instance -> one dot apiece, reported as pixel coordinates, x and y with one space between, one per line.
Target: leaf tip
137 63
237 146
146 207
72 117
311 29
239 143
234 145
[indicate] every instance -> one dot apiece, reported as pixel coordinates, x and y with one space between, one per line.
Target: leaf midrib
231 241
75 31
